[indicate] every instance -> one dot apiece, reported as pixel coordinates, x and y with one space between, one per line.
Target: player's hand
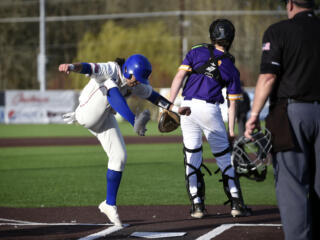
64 68
252 124
141 121
184 111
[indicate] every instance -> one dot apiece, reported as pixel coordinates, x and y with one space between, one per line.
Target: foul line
13 222
104 233
224 227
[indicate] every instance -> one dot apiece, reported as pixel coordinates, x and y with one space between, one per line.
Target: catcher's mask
139 66
250 157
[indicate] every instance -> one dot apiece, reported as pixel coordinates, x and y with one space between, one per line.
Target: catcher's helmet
222 32
250 157
139 66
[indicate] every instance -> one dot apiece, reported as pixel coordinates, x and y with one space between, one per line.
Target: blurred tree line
159 38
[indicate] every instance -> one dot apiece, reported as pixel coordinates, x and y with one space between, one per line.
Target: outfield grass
75 175
62 130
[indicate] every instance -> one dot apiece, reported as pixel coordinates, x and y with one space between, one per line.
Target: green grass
62 130
75 176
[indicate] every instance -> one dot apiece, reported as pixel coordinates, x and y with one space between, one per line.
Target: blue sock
113 182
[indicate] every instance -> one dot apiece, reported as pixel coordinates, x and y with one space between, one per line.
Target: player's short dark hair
120 61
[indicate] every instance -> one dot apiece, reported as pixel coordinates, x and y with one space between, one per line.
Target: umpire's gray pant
297 175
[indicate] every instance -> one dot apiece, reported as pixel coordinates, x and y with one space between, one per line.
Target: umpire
290 76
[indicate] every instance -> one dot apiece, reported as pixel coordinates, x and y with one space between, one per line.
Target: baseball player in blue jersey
105 94
208 68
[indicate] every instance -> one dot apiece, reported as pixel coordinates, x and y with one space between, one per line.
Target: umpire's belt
291 100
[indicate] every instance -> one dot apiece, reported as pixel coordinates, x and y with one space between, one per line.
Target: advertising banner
1 114
35 106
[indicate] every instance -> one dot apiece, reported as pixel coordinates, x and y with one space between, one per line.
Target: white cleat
111 212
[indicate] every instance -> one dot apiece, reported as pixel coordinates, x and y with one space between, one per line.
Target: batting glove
141 121
69 118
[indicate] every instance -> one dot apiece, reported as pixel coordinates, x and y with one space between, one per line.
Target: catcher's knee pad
198 174
223 158
223 152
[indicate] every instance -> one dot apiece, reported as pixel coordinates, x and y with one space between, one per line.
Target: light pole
181 21
42 54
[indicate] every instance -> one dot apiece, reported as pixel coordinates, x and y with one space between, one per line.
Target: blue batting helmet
139 66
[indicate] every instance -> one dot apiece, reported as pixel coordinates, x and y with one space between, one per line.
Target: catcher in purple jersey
209 68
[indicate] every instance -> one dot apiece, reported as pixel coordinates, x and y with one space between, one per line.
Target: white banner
38 107
1 114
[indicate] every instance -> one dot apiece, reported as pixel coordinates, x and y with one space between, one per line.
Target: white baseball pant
205 118
93 114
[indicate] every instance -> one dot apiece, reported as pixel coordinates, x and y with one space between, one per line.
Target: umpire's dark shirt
291 50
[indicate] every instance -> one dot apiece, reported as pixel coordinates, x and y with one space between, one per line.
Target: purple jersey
202 87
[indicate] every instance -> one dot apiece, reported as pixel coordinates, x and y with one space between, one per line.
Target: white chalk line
224 227
13 222
210 235
104 232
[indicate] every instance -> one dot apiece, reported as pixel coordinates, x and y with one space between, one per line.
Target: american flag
266 46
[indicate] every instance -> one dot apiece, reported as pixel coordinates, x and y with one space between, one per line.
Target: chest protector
211 67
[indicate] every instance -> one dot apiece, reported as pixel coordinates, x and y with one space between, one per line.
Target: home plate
158 234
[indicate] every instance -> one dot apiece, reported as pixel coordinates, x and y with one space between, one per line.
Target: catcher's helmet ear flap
222 30
250 158
139 66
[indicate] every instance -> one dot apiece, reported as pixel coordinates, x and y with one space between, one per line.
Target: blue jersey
202 87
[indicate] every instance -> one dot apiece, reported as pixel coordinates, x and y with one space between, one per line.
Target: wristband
71 67
175 109
253 114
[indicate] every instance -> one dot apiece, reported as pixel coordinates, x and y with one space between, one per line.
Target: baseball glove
168 121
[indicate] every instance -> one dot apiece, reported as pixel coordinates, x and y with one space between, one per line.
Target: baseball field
52 177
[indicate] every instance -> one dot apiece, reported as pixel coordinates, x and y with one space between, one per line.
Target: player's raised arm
84 68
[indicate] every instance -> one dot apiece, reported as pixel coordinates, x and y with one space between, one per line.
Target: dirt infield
86 222
263 225
69 141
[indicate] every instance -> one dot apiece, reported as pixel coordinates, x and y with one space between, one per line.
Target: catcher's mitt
168 121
